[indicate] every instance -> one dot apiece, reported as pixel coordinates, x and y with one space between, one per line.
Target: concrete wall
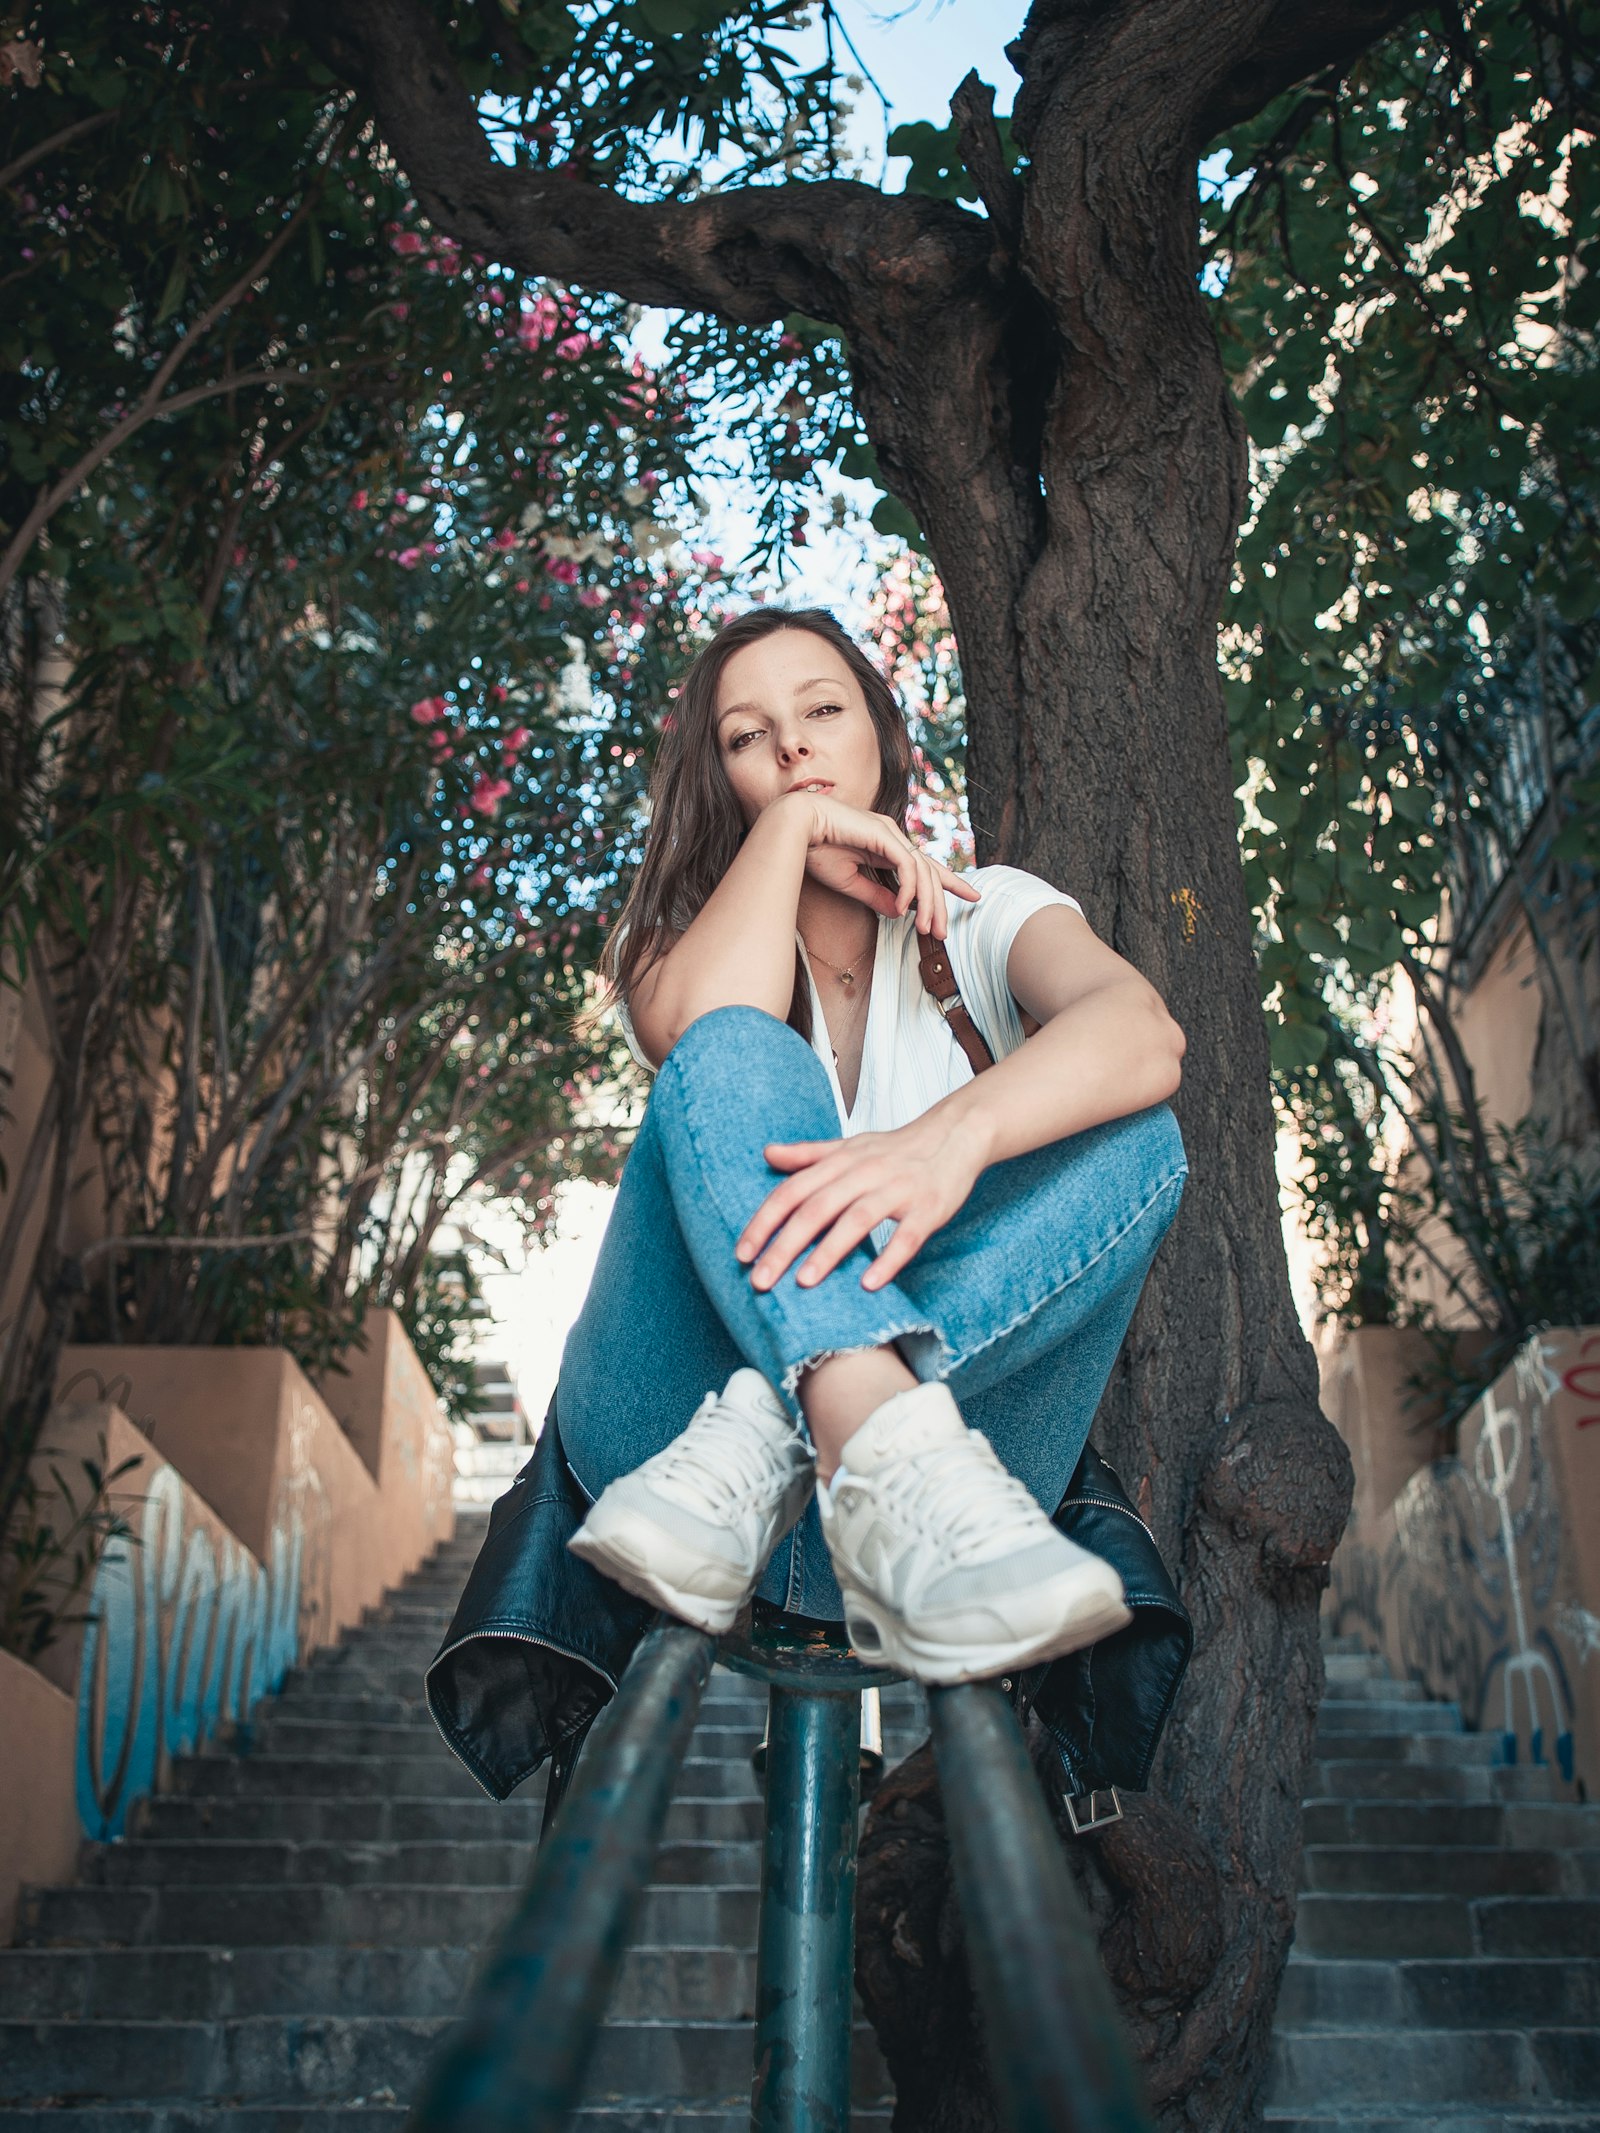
1480 1577
258 1532
39 1830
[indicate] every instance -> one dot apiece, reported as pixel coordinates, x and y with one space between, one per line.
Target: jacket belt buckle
1093 1810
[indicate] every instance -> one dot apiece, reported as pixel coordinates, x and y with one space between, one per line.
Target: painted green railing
1057 2052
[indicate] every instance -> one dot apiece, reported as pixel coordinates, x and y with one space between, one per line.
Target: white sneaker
691 1529
949 1569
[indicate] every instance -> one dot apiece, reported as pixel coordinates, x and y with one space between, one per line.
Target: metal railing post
516 2061
805 1958
1057 2052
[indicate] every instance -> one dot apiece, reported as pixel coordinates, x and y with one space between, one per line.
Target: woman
909 1281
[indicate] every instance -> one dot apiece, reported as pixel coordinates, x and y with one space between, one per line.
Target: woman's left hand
839 1191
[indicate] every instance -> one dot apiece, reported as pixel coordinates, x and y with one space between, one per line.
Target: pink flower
592 596
504 539
575 345
487 793
407 241
358 502
401 310
516 739
498 693
479 878
707 558
563 570
538 322
409 558
790 344
426 710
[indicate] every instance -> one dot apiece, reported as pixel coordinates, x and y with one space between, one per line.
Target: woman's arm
1105 1047
739 951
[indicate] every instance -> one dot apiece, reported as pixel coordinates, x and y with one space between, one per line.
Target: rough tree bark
1043 391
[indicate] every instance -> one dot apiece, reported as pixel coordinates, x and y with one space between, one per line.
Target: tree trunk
1098 757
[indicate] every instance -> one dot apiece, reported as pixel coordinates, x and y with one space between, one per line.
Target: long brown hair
696 827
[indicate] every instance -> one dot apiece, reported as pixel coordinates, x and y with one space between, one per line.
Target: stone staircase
283 1937
1446 1969
281 1941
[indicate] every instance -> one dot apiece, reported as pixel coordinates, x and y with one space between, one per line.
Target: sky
917 54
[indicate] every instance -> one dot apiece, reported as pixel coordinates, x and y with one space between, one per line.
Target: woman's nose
792 749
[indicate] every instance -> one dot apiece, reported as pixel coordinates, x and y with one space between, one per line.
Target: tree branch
972 108
1294 43
835 249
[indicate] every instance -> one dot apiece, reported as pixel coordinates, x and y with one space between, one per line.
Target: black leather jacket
539 1640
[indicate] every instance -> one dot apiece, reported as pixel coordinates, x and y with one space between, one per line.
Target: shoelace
972 1507
718 1452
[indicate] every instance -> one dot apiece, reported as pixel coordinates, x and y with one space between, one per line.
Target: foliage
1408 308
51 1550
441 1313
327 695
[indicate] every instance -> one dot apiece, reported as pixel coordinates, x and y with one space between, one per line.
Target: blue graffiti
184 1637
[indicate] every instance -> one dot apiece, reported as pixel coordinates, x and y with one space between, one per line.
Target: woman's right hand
845 841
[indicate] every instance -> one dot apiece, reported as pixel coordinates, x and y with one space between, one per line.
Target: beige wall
39 1828
252 1435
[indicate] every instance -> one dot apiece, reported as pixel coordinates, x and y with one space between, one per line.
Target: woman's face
790 713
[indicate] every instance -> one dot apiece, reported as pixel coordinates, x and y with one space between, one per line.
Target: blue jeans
1020 1302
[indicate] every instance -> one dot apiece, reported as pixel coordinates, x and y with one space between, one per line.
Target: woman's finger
778 1206
901 1249
805 1224
853 1227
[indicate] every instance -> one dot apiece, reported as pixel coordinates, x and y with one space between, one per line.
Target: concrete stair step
1489 1991
1444 1749
1371 1688
486 1863
372 2116
1351 1778
216 1984
432 1777
1412 2067
328 2058
356 2117
1462 1870
381 1916
400 1821
1401 1926
1433 2118
1388 1714
1551 1825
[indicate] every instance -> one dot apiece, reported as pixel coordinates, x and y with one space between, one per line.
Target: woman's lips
811 785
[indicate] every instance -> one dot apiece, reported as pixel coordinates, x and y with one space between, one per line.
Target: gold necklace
847 978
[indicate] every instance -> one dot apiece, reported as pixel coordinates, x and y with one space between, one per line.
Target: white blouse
909 1059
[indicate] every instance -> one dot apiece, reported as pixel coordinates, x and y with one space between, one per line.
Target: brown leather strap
940 980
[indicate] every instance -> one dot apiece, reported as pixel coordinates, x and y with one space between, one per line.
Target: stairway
1446 1968
283 1937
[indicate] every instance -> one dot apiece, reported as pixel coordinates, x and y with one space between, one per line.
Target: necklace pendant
847 979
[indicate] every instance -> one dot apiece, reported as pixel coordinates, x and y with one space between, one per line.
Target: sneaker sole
618 1543
879 1635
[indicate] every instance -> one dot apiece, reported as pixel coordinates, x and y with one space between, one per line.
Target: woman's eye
824 709
739 740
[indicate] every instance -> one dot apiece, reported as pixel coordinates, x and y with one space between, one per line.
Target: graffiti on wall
1465 1583
187 1631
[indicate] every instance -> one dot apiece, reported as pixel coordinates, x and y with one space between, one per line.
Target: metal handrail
1058 2053
516 2060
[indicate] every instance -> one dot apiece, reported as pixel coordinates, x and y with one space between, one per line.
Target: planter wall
260 1530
